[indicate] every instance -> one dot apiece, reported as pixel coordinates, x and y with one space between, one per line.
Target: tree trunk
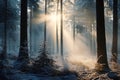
45 26
23 51
115 31
57 44
31 15
4 53
74 29
3 56
101 41
65 65
61 28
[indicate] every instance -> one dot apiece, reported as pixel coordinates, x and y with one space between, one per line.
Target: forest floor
14 74
79 74
82 75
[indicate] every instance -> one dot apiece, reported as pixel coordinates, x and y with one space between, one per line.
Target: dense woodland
59 40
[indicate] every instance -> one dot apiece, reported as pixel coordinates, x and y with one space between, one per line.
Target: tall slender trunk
31 14
3 56
61 28
23 51
74 29
115 31
101 41
74 25
57 44
91 38
45 26
4 53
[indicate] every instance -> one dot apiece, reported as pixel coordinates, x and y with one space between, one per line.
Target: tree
102 63
34 9
31 16
61 23
115 31
57 44
45 26
23 51
61 36
74 23
3 54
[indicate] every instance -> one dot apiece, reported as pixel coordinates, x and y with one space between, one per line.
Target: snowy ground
14 74
82 74
28 76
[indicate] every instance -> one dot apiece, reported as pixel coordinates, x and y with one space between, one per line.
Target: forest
60 40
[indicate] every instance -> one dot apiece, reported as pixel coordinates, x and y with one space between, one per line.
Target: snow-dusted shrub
44 63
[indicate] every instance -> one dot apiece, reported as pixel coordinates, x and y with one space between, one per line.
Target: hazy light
78 52
53 17
28 10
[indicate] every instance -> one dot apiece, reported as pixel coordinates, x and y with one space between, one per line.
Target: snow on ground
82 75
22 76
